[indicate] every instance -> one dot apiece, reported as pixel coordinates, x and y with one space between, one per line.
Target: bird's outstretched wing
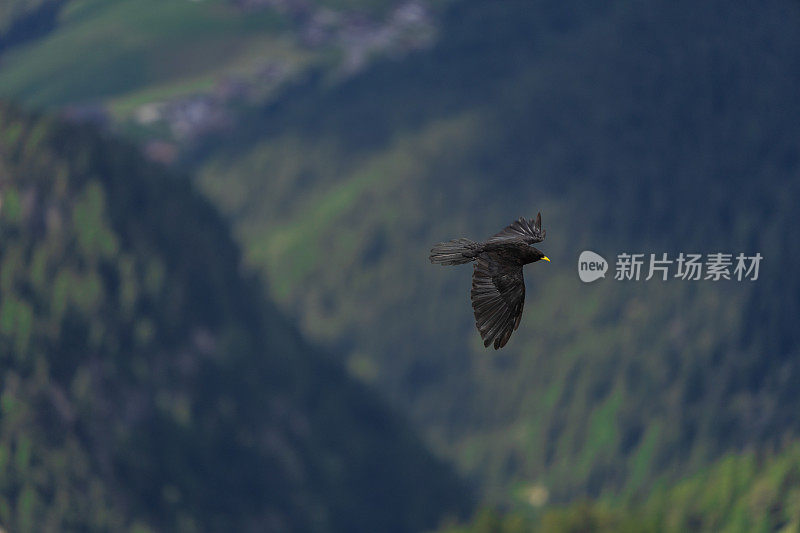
498 296
526 230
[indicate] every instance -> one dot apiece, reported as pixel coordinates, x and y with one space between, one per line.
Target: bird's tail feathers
455 252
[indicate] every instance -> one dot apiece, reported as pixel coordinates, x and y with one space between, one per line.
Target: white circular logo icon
591 266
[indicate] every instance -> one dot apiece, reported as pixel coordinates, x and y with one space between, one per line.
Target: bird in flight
498 287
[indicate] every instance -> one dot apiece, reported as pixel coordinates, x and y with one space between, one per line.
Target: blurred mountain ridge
633 128
148 386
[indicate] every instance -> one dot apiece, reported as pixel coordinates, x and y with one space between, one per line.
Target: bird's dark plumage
498 286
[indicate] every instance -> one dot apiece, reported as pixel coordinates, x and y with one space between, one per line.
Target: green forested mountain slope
633 128
146 385
745 492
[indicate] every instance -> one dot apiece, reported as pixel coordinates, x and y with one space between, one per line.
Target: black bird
498 287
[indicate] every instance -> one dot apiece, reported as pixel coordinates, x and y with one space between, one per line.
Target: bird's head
539 255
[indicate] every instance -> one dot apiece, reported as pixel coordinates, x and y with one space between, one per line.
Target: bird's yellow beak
545 258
